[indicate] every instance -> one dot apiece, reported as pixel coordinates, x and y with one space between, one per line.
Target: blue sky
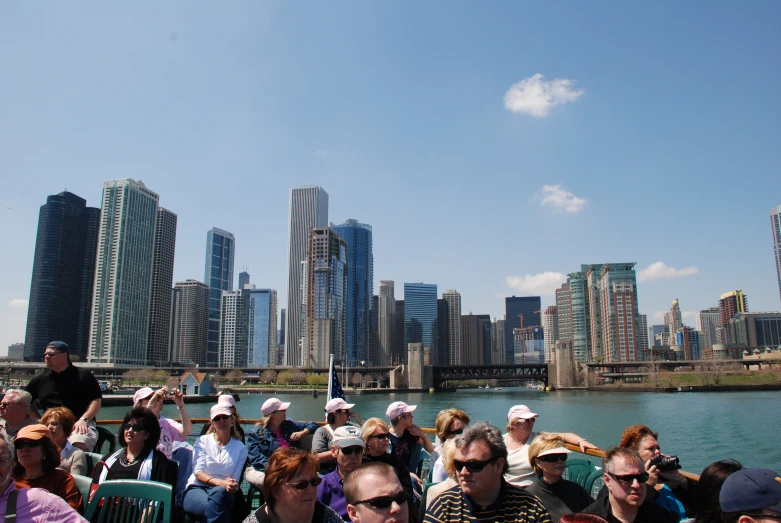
486 143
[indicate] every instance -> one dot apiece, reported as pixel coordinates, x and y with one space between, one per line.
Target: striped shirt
513 505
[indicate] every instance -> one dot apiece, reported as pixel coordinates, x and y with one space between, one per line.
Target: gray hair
21 396
487 433
629 456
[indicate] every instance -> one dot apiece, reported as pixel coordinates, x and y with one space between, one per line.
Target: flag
334 387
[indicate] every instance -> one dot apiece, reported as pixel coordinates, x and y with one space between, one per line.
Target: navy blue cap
59 345
751 489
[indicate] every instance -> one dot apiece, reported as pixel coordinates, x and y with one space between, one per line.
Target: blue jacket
261 442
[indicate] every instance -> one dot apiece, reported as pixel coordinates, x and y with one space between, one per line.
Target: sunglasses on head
353 449
386 501
553 458
473 465
628 479
381 437
135 427
32 443
301 485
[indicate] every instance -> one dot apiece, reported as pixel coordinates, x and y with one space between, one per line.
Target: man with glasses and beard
625 502
482 494
29 504
375 495
347 447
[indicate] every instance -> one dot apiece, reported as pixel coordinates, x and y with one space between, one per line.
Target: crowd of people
347 469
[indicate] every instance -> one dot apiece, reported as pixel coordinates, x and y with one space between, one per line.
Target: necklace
124 460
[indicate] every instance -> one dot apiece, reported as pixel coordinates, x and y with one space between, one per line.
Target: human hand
80 427
297 435
585 444
415 431
178 398
653 473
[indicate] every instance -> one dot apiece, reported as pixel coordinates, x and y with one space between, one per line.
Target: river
698 427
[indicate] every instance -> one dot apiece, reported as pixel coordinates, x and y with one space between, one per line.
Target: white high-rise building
775 225
673 319
453 299
550 330
707 322
308 208
233 329
386 320
119 328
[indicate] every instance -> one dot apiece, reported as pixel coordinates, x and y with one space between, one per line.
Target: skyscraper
191 322
218 275
689 341
261 326
234 320
326 300
475 339
123 274
707 322
60 302
642 332
360 285
399 348
528 307
386 323
420 314
308 208
497 358
243 277
441 355
613 311
730 304
775 226
159 339
673 319
550 326
453 299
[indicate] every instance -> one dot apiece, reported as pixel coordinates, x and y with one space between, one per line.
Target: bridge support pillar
562 371
419 374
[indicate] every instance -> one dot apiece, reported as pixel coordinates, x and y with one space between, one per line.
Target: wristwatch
85 420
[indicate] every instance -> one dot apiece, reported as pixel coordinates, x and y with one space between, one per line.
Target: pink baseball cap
142 394
397 408
227 400
271 405
337 404
218 410
520 411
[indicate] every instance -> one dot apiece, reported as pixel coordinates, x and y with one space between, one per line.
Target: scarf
145 474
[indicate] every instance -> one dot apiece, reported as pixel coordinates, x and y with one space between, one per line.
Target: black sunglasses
342 411
31 443
221 417
301 485
552 458
386 501
473 465
135 427
381 437
455 432
353 449
628 479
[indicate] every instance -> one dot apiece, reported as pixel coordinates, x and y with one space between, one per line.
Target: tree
160 375
234 376
268 376
317 379
283 378
297 377
355 379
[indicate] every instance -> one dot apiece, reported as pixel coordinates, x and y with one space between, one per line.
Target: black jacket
649 511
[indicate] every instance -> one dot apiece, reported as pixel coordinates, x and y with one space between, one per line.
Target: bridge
509 372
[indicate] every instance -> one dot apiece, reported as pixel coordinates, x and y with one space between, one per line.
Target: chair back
131 501
305 442
578 470
105 435
83 483
92 460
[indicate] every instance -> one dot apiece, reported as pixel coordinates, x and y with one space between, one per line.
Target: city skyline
402 158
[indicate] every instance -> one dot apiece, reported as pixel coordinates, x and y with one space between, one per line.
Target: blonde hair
445 418
448 453
541 443
369 426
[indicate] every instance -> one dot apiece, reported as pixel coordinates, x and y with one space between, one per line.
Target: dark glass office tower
63 276
220 248
531 309
360 285
420 314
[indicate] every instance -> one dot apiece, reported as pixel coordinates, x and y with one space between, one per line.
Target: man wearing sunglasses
482 494
375 495
751 495
347 447
15 411
625 502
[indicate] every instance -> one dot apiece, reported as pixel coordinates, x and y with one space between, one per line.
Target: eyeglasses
526 420
381 437
552 458
354 449
32 443
386 501
342 411
51 354
473 465
628 479
6 405
302 485
135 427
221 417
455 432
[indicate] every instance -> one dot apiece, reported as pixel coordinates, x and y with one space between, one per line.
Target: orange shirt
57 482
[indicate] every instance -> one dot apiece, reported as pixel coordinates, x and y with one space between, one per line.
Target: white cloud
659 315
560 199
660 270
535 96
18 303
545 283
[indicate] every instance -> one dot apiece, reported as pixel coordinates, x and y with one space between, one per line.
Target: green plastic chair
595 483
105 435
131 501
426 486
92 460
83 483
578 470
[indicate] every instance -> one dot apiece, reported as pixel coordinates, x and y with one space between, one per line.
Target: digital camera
665 462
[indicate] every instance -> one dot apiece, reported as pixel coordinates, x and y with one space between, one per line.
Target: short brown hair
541 443
634 434
282 466
629 455
352 482
445 418
51 459
63 415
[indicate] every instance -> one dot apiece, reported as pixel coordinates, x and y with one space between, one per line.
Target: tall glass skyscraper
63 276
420 314
531 309
360 285
159 338
262 326
218 275
775 225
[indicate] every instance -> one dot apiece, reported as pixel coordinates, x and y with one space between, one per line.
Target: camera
665 462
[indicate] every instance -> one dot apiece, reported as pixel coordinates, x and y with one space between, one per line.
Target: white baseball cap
142 394
337 404
397 408
520 411
348 436
218 410
271 405
227 400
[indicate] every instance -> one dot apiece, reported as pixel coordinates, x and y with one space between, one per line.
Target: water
698 427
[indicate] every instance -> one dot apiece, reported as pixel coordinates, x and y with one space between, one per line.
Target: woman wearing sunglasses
138 457
35 465
290 490
376 435
450 423
520 434
337 414
548 456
